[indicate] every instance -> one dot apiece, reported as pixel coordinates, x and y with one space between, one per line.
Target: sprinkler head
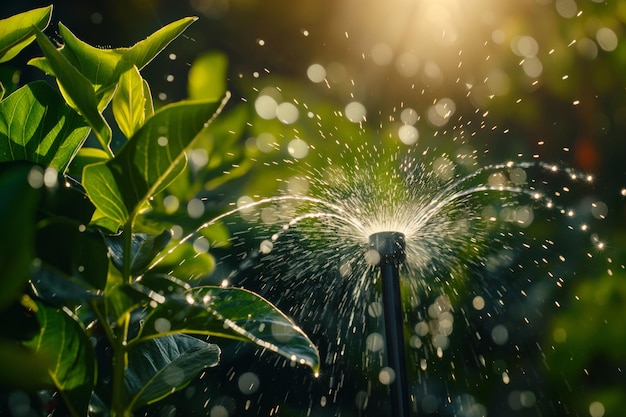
390 247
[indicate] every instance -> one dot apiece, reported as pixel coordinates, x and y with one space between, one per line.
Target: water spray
391 249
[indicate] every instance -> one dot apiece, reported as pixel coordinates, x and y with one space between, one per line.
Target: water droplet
386 376
195 208
408 134
607 39
248 383
287 113
266 247
355 112
219 411
372 257
201 245
35 177
298 148
171 204
382 54
265 107
316 73
478 302
50 177
374 342
162 325
499 334
596 409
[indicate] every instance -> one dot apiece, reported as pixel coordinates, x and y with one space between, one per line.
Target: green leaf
72 368
144 51
103 67
16 32
143 249
150 159
17 221
36 125
129 103
232 313
103 190
78 89
149 105
160 367
207 76
84 157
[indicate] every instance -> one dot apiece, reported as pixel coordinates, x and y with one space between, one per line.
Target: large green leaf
149 161
77 90
159 367
16 32
103 67
72 360
36 125
129 103
17 218
233 313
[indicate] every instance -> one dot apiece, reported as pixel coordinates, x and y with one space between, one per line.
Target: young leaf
144 51
149 161
159 367
78 89
232 313
103 67
129 103
36 125
16 32
17 221
72 360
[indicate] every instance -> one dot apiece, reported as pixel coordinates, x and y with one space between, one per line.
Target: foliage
84 224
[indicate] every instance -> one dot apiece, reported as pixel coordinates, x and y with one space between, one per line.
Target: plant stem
120 345
120 362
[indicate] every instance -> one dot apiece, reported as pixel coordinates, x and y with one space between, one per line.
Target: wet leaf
232 313
17 32
149 161
17 224
36 125
72 369
129 103
159 367
77 90
143 249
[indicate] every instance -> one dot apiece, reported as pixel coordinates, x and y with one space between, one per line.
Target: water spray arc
390 246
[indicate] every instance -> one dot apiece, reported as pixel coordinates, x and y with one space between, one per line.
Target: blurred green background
521 78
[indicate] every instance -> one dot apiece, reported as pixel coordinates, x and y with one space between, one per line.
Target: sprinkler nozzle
391 247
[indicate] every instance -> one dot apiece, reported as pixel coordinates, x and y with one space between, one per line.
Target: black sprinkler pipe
391 249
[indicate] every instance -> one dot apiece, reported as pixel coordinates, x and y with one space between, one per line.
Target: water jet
390 247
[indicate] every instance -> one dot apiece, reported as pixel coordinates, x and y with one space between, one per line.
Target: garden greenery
82 311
